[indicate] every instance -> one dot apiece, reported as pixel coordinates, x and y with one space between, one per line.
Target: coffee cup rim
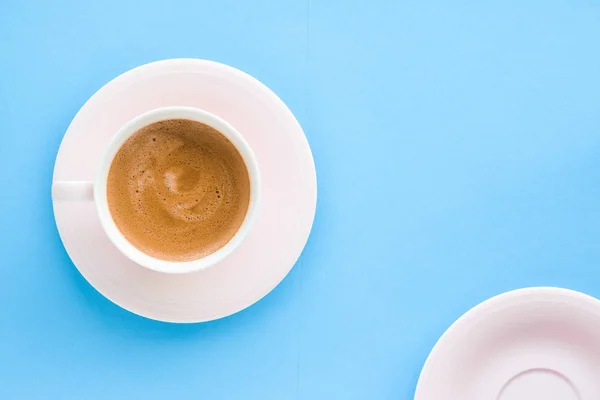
101 179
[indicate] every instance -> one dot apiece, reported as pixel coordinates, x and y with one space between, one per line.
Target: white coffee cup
96 191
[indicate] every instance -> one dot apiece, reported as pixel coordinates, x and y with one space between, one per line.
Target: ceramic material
71 190
536 343
283 220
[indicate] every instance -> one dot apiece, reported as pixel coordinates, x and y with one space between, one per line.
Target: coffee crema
178 190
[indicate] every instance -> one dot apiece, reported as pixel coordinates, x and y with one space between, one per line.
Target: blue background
457 150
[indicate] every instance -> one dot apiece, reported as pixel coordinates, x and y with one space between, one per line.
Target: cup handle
72 191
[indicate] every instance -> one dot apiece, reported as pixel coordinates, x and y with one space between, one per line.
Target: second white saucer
528 344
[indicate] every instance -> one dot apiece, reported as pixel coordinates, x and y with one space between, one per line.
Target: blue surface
458 155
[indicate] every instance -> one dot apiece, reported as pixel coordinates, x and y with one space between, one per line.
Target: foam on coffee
178 190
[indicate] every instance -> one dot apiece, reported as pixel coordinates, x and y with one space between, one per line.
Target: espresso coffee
178 190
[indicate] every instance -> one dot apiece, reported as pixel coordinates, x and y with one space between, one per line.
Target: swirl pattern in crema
178 190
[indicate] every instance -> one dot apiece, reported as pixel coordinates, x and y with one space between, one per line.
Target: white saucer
284 219
528 344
